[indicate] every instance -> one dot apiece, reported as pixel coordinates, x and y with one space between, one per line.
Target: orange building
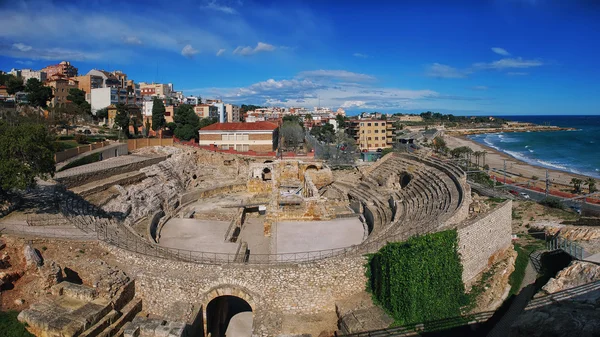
60 89
64 68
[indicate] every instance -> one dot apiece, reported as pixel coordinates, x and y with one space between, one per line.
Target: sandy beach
518 170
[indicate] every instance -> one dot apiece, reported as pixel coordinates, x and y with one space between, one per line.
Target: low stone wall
153 225
138 143
483 239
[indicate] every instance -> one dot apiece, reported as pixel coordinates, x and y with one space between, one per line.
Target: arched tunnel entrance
405 179
229 316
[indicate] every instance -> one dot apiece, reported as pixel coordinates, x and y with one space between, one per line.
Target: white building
100 98
147 106
221 111
26 74
191 100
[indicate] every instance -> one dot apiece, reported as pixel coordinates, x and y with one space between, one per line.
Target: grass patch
496 200
82 161
11 327
523 251
63 145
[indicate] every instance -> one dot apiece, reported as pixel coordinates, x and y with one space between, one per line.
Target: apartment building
156 89
374 134
60 89
206 111
103 97
64 68
242 137
233 113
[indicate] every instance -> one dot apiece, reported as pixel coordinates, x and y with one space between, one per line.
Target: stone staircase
78 310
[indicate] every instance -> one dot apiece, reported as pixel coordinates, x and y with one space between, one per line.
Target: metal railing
566 245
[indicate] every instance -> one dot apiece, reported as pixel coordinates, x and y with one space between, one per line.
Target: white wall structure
147 107
221 111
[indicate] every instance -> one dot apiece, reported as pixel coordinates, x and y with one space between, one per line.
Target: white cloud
221 52
260 47
309 91
364 56
445 71
213 5
337 75
508 63
500 51
516 73
22 51
189 51
479 87
25 63
22 47
133 40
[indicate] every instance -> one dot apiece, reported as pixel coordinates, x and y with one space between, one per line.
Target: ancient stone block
32 258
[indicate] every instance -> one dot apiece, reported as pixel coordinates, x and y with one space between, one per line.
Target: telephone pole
504 171
547 183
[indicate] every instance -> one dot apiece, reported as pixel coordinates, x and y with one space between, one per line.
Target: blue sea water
570 151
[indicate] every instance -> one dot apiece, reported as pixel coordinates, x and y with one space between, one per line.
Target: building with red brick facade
64 68
242 137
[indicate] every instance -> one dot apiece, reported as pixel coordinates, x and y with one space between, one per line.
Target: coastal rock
576 274
32 257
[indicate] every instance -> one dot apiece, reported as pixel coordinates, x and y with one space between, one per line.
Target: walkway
85 154
526 292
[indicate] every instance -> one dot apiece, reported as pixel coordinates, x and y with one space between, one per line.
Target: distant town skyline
496 57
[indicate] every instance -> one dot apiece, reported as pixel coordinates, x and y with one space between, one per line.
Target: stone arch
312 167
266 174
404 179
222 291
268 161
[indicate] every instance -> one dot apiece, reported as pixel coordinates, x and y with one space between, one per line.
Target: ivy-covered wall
419 280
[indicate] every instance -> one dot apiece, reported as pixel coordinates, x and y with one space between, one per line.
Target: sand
495 159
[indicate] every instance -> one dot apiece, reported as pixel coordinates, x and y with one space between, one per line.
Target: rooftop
256 126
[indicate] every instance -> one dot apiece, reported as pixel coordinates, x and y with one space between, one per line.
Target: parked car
524 195
513 192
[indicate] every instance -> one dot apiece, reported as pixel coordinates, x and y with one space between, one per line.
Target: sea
575 151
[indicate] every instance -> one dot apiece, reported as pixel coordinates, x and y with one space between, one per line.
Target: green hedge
419 280
11 327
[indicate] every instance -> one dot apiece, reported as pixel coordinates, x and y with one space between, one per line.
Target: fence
138 143
46 232
566 245
70 153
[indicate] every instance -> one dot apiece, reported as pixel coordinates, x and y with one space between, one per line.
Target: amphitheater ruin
210 242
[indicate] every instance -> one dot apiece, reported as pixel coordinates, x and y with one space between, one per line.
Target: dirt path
526 292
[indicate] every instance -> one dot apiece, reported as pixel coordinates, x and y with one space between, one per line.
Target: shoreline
537 128
518 170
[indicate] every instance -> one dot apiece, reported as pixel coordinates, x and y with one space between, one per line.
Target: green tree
102 113
292 134
591 183
188 123
158 114
438 143
576 182
14 84
77 98
26 152
38 95
341 121
122 119
208 121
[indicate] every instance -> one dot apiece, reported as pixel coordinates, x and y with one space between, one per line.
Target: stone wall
483 239
291 288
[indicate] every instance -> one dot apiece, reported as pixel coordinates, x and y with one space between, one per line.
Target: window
382 138
382 124
362 131
376 138
362 124
243 136
376 124
368 124
369 138
224 147
376 131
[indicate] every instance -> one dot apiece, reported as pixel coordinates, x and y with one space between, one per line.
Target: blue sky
502 57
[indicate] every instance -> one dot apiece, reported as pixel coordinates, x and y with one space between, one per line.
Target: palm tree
591 183
576 182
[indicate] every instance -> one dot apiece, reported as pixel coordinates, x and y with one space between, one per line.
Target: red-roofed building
242 137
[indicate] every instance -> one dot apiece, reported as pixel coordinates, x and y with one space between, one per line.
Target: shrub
82 161
10 326
81 138
419 280
552 203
